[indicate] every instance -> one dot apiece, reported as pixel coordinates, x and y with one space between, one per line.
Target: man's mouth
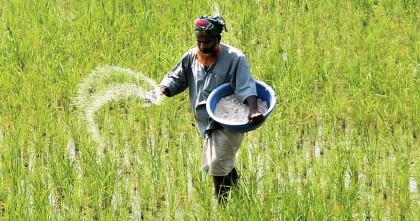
206 51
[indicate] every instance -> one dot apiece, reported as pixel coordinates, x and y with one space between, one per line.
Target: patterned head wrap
211 25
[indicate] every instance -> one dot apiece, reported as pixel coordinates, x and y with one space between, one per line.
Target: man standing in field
201 70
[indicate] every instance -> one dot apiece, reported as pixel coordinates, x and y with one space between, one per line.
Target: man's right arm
175 81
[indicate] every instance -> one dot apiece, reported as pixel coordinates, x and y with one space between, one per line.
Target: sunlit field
80 140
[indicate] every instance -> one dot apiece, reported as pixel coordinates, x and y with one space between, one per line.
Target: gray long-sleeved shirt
231 66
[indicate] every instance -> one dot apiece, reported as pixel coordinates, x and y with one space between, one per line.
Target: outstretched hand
153 95
164 90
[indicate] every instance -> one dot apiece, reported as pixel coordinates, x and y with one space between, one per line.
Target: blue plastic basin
264 92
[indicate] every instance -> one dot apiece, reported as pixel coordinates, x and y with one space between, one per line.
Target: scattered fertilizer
231 110
98 89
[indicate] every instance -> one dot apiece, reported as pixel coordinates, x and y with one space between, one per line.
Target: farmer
201 70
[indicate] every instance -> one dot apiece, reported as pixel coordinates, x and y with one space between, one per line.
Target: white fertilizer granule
231 110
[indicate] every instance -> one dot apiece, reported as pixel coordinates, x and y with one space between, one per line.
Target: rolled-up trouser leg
219 152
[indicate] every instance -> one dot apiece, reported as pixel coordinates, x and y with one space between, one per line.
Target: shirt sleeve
242 82
176 79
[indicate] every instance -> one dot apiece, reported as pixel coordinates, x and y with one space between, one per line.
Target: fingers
256 118
164 90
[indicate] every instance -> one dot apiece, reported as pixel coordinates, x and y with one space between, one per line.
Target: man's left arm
245 89
254 115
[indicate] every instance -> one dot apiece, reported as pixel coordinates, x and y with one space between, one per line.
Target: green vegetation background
346 74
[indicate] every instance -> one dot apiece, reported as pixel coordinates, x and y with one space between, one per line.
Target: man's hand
164 90
254 115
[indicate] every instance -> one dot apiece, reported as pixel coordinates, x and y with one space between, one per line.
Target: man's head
207 32
211 25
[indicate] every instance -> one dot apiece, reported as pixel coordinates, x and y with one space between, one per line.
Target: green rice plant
342 143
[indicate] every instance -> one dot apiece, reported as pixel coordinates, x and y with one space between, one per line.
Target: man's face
205 42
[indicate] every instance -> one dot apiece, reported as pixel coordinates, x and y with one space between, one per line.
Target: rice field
83 138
